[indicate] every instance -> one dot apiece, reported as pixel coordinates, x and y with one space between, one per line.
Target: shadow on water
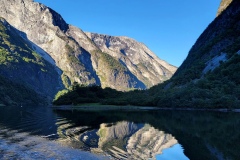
34 120
122 134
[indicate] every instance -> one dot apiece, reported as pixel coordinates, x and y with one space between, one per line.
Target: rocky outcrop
215 62
223 5
122 65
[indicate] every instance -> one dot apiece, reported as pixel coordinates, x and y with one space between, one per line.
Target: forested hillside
210 75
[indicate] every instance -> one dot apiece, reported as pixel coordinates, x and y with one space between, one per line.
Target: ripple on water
24 146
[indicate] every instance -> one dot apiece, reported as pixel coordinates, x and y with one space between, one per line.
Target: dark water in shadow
43 133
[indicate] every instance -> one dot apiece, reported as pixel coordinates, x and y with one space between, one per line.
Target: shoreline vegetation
217 89
208 78
190 97
100 107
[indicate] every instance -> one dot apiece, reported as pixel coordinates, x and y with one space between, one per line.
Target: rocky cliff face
23 66
47 30
121 65
137 58
224 4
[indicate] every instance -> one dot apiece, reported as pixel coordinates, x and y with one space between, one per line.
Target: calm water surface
44 133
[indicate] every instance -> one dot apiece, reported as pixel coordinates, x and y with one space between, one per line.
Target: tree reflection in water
203 135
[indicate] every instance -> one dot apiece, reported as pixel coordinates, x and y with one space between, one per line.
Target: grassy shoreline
100 107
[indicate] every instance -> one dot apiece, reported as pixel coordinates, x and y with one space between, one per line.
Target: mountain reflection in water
121 134
123 140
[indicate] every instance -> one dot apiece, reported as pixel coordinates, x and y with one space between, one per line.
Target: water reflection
123 135
126 140
201 135
122 140
175 152
148 142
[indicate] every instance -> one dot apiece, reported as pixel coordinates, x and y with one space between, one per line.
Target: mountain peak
86 58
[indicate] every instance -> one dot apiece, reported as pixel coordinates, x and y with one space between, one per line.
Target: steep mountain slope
140 61
80 58
23 68
220 37
209 77
47 29
17 94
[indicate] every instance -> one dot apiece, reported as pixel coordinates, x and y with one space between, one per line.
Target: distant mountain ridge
208 78
138 59
79 56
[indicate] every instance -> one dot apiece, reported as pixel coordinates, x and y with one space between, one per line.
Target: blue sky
168 27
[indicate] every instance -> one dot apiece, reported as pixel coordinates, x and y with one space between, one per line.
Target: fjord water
44 133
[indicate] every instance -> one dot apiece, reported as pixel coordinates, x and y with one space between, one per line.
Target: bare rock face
117 62
137 58
47 29
224 4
